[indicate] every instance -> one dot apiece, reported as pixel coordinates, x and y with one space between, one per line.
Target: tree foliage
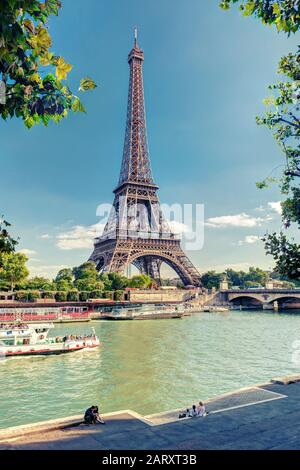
33 76
140 281
282 117
13 268
7 243
286 255
39 283
241 279
284 14
87 278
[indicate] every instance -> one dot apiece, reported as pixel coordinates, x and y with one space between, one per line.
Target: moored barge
44 313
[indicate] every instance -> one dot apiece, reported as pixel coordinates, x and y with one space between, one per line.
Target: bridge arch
285 299
250 300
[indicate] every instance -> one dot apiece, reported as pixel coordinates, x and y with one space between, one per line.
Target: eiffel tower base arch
147 256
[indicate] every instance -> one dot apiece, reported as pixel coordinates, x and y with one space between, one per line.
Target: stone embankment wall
162 295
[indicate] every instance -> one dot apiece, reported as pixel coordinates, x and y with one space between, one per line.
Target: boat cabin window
8 342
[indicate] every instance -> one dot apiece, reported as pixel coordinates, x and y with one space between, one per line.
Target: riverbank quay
262 417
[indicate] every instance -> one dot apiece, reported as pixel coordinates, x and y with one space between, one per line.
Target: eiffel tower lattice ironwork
137 232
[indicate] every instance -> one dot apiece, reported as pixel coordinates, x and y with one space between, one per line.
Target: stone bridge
263 298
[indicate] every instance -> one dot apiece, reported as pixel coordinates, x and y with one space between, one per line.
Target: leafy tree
86 271
211 279
96 294
282 117
65 275
235 278
118 295
108 294
141 281
39 283
32 75
88 285
13 268
286 255
256 275
64 280
63 285
21 295
284 14
106 281
86 277
73 295
118 281
84 296
33 295
61 296
241 279
7 243
48 294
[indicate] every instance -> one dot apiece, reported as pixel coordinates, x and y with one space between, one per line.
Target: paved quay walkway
262 417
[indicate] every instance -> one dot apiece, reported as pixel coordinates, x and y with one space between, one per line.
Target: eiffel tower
136 231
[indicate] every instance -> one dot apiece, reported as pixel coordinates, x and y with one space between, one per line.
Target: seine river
150 366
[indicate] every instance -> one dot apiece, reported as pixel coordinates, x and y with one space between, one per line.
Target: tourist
97 415
194 412
89 416
92 416
201 409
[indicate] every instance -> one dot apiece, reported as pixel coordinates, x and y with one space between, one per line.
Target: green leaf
87 84
29 122
77 106
62 69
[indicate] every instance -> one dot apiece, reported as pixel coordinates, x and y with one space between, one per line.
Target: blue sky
206 72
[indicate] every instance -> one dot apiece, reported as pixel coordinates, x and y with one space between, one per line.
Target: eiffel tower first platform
136 231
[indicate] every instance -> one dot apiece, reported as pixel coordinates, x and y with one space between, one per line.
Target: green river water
150 366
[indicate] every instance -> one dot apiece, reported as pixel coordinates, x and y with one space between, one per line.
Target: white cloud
260 209
249 240
178 227
238 220
79 237
48 270
276 206
45 236
27 252
242 266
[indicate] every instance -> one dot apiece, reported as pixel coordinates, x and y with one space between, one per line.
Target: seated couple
195 412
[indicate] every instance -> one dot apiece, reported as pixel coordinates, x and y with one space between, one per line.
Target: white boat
21 339
146 313
215 308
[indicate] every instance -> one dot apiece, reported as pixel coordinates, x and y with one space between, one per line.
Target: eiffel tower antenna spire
135 37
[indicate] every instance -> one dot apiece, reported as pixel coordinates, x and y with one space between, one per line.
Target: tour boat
21 339
145 313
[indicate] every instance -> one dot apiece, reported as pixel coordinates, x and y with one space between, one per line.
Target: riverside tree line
84 282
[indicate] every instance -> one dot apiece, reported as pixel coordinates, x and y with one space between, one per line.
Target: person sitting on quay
97 415
198 411
92 416
201 411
